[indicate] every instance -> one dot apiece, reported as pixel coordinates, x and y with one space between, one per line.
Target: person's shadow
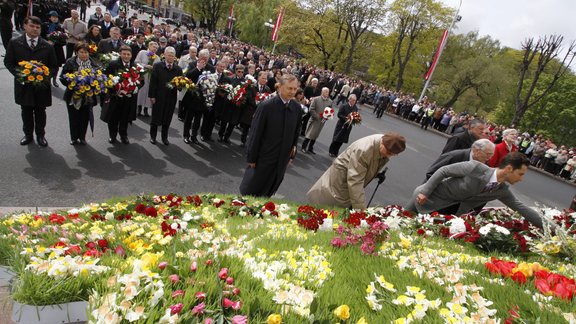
139 160
98 165
50 169
180 158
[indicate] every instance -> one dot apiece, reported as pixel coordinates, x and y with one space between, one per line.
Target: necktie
490 187
261 88
115 44
126 65
32 43
169 66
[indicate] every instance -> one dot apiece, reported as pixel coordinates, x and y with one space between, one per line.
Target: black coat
221 101
311 92
272 138
460 141
19 50
107 46
193 100
116 102
58 48
72 66
166 98
105 32
249 108
342 130
232 112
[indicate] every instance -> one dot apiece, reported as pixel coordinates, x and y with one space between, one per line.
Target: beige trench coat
344 182
315 123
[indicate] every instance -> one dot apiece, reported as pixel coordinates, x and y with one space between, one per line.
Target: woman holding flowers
79 100
94 36
343 127
55 34
146 59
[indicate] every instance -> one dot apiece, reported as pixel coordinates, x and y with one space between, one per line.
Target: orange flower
30 78
26 71
39 78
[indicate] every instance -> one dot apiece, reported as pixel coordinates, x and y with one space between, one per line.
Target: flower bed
168 259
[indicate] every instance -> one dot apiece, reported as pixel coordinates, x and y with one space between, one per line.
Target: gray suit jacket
463 183
447 159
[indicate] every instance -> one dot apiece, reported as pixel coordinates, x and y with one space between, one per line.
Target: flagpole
454 20
276 28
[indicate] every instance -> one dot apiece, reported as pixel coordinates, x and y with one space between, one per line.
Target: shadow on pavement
99 165
50 169
139 160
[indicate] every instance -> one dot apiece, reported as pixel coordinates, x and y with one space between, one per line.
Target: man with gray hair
343 129
163 98
481 151
111 44
465 139
316 121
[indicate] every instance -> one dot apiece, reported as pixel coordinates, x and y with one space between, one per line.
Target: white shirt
29 40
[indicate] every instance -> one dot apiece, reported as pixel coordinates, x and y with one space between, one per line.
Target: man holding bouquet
317 119
32 96
344 125
122 105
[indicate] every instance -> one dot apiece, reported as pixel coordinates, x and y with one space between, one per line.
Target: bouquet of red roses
238 95
261 97
57 37
353 118
128 82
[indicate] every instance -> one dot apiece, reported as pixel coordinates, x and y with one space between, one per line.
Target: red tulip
519 277
209 262
223 274
200 295
175 309
194 266
236 291
198 309
174 278
120 251
162 265
229 280
177 293
102 243
561 291
227 303
543 286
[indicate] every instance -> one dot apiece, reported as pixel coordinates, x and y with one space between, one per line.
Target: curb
5 210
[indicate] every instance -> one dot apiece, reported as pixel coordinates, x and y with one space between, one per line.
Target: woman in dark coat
78 111
342 130
52 25
94 35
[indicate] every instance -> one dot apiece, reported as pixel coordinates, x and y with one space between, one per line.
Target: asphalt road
65 175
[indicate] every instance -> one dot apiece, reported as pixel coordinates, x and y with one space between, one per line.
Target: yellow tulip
342 312
274 319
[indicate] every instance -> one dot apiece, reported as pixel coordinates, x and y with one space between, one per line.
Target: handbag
106 112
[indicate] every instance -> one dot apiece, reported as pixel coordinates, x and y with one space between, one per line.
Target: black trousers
192 120
245 130
208 122
305 120
308 144
34 120
83 13
226 129
6 34
154 131
118 123
78 120
335 147
69 50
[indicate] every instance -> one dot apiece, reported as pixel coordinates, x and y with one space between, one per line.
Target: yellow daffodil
362 320
342 312
274 319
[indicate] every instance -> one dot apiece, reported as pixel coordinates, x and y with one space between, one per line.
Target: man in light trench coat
316 122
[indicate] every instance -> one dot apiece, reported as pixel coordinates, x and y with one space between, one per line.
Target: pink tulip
209 262
194 266
209 320
227 303
198 309
174 278
120 251
229 280
175 309
162 265
177 293
200 295
223 274
240 319
236 291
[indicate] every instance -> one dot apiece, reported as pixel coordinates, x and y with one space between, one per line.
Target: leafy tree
251 17
210 11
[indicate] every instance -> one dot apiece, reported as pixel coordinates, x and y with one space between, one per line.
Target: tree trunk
349 58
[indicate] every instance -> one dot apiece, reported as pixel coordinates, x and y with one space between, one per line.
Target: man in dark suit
472 184
194 105
272 140
122 109
342 130
480 151
106 25
96 17
213 58
134 30
138 46
220 101
163 98
465 139
6 13
33 100
121 22
111 44
230 116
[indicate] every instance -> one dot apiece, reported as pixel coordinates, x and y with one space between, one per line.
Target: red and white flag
443 40
230 16
30 7
277 25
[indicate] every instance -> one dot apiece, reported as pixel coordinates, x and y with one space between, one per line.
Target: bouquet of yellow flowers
87 83
92 48
33 73
181 83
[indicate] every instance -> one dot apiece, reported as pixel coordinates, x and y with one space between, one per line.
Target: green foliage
251 17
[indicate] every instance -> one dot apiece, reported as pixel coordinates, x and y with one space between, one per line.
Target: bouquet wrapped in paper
130 40
327 114
181 83
33 73
127 82
57 37
261 97
208 83
86 84
353 118
105 59
238 95
92 48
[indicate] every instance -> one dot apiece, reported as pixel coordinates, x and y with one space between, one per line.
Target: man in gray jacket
472 184
316 122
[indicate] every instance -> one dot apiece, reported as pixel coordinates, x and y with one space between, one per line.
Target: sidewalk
447 136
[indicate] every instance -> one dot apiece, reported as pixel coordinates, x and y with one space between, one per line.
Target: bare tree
541 52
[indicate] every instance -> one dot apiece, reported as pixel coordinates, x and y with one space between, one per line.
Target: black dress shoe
42 141
221 139
112 140
165 142
187 140
332 155
73 142
153 141
227 141
124 140
207 139
82 142
26 140
195 141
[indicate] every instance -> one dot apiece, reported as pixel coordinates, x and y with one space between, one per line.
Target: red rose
151 211
102 243
90 245
270 206
93 253
141 209
73 250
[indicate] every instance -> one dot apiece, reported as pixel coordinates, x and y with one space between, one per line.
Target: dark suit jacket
130 31
106 46
448 158
18 50
103 30
457 142
464 183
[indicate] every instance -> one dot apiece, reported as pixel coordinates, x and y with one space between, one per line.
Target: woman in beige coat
343 183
